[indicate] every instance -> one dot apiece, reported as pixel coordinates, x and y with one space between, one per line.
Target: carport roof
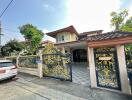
109 35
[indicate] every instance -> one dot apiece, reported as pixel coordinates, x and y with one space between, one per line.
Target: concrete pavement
24 89
29 87
10 91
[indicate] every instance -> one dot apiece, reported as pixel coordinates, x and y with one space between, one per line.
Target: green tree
13 46
120 23
127 26
32 35
118 18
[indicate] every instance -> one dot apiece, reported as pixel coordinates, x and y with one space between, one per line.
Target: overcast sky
50 15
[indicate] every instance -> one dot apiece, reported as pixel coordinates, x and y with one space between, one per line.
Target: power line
6 8
0 22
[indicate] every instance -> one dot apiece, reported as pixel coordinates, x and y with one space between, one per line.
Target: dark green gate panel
128 52
107 72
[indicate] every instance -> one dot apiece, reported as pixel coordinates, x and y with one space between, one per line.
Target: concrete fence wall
32 71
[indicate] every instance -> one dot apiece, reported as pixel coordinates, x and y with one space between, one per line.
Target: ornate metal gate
56 64
128 51
107 72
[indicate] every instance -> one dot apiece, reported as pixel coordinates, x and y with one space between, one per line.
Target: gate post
122 69
40 65
17 61
92 67
63 50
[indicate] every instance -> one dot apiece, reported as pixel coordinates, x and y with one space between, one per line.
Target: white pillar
92 67
40 65
17 61
63 50
122 69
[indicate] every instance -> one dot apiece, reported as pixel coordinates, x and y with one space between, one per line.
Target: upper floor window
76 38
62 37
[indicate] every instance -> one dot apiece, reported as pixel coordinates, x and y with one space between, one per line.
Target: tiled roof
91 32
109 35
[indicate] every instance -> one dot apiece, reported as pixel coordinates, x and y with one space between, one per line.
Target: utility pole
0 33
0 23
0 38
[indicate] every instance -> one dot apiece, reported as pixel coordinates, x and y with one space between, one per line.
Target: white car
7 69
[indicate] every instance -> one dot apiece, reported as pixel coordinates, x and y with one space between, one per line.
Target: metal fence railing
28 61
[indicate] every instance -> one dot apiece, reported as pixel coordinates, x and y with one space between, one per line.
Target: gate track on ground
30 90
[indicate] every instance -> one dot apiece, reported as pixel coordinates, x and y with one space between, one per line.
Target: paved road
12 90
28 87
24 89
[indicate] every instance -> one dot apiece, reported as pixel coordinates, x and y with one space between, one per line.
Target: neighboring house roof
109 35
70 29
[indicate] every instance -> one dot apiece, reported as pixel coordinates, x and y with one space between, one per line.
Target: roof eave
67 29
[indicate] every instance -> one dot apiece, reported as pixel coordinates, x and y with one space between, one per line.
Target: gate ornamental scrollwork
107 71
56 64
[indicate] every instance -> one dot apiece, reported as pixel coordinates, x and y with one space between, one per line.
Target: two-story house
68 40
104 52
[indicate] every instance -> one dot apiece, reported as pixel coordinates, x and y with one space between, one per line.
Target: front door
80 55
107 68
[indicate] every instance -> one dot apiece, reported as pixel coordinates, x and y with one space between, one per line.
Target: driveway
28 87
81 74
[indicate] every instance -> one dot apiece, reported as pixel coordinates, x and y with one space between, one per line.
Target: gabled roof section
70 29
106 36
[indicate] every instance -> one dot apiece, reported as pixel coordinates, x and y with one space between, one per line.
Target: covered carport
107 61
80 68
